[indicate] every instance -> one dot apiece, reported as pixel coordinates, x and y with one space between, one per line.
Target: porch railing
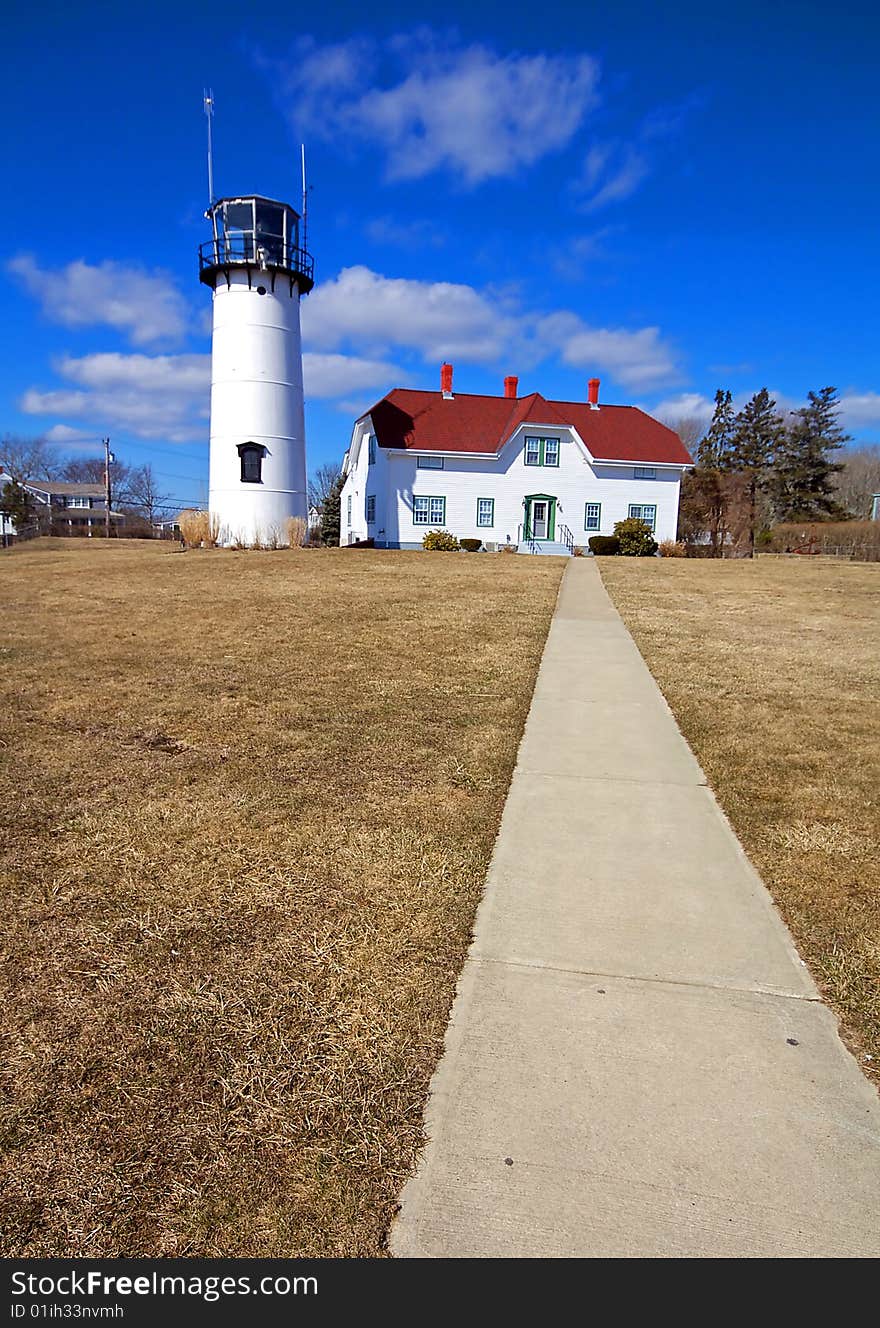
565 536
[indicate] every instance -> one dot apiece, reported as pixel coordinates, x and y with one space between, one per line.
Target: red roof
429 422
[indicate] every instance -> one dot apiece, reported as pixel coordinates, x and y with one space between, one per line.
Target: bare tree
859 479
90 470
144 496
690 429
28 459
320 484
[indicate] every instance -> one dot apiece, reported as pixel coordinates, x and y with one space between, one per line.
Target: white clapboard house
543 475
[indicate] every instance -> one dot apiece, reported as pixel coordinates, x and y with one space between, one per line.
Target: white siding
362 481
573 483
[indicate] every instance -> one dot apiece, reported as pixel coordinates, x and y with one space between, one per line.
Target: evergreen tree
16 504
331 516
758 433
713 450
802 486
704 494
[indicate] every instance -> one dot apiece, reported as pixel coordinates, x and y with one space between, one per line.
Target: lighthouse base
271 520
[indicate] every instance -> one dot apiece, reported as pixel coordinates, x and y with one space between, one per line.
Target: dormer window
251 462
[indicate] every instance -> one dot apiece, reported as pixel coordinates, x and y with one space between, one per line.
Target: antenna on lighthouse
208 96
305 202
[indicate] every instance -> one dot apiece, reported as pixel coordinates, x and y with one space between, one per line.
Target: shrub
636 539
604 544
198 528
440 541
297 529
857 540
472 545
672 549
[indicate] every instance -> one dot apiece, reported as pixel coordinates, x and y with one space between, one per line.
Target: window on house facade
371 508
251 455
348 509
646 512
485 511
644 472
592 516
541 452
429 511
77 502
533 452
371 450
429 463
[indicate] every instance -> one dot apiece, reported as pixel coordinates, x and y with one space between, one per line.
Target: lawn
772 669
248 801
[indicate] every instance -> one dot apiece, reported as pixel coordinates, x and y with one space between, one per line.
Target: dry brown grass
771 668
249 802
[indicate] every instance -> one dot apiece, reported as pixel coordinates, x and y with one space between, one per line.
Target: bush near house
672 549
604 545
636 538
858 540
472 545
440 541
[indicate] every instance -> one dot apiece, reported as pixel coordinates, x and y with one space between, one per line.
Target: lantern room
259 234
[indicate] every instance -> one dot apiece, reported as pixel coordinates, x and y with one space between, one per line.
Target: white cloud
145 306
159 396
860 409
167 396
361 329
635 358
610 174
439 319
684 406
328 376
440 105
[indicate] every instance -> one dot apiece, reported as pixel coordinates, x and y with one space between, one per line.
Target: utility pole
108 457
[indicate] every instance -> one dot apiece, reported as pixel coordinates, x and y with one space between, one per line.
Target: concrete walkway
638 1063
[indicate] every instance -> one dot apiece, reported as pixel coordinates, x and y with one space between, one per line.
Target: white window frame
75 500
425 510
371 509
481 524
371 450
554 442
348 509
537 452
644 472
637 510
597 508
429 463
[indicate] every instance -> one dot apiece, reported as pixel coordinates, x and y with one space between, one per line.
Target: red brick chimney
446 380
511 385
593 393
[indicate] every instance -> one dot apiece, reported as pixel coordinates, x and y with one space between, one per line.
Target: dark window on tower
251 463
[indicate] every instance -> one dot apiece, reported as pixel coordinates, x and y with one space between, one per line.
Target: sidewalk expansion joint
479 958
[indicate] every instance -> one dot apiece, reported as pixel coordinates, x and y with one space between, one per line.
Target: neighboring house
167 529
314 518
543 475
7 525
72 508
875 506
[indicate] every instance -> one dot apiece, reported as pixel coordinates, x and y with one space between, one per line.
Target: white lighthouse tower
257 269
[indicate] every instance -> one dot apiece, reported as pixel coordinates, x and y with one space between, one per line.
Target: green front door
540 516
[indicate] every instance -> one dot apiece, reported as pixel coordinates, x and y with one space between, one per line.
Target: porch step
554 547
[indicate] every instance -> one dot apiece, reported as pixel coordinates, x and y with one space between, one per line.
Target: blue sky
669 198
